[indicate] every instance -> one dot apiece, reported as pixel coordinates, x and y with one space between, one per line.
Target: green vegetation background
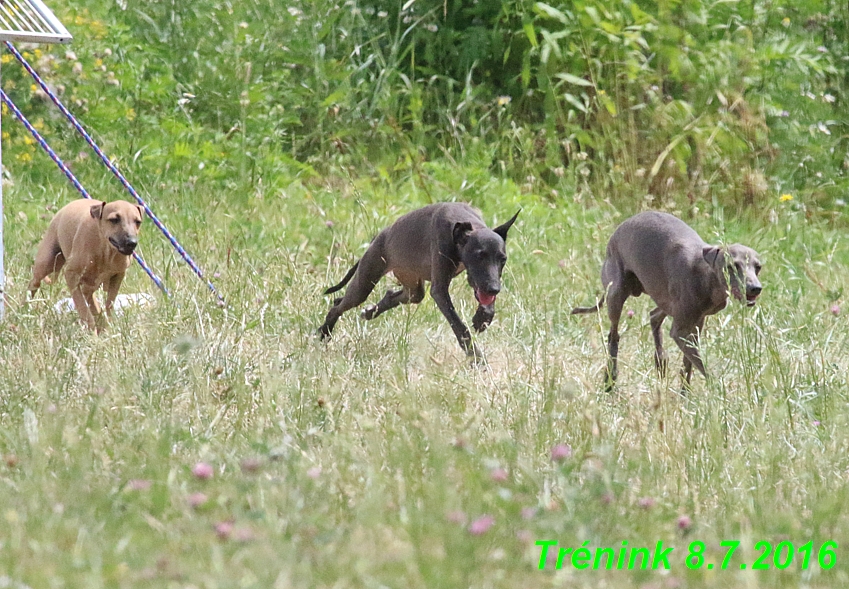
275 140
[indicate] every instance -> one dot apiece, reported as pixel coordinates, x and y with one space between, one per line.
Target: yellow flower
503 100
24 157
6 135
7 58
785 197
29 140
98 28
785 22
131 114
33 87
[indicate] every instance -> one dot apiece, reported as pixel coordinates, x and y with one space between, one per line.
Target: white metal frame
32 22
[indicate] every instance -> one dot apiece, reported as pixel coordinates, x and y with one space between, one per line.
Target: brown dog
94 242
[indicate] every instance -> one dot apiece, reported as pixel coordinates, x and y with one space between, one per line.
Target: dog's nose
754 290
131 244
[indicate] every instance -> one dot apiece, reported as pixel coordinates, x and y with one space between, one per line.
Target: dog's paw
476 357
610 376
483 317
661 363
323 333
369 312
480 325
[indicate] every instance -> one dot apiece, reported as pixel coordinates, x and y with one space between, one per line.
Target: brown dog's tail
345 280
583 310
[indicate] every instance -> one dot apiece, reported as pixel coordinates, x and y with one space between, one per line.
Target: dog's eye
757 268
115 220
138 223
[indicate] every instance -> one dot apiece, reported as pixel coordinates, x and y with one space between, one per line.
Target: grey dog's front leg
687 338
439 292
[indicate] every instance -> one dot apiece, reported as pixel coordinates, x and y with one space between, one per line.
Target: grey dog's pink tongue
485 299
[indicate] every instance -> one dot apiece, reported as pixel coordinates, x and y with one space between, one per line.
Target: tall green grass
364 461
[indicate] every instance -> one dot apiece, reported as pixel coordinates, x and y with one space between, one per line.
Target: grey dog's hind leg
393 298
616 296
371 269
660 362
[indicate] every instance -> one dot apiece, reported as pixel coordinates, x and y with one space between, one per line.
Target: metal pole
2 270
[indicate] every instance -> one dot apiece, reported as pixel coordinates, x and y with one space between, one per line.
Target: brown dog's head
738 267
119 223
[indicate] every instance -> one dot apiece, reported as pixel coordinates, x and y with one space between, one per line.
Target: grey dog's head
484 254
738 267
119 222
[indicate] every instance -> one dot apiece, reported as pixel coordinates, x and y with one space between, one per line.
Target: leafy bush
671 103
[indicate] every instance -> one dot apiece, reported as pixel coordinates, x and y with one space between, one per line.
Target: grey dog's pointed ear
712 254
502 230
461 232
97 210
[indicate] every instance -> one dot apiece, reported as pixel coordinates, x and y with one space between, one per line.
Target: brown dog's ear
502 230
461 233
141 211
97 210
712 255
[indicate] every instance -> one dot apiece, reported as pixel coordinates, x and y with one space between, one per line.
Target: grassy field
382 459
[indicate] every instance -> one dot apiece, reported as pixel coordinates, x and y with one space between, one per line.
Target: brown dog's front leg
81 305
93 307
80 294
439 292
112 292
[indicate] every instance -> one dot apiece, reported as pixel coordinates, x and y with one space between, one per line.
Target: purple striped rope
112 168
37 136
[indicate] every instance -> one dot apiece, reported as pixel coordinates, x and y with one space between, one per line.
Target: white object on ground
122 301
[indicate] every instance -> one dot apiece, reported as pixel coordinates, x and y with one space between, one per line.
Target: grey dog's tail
583 310
345 280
